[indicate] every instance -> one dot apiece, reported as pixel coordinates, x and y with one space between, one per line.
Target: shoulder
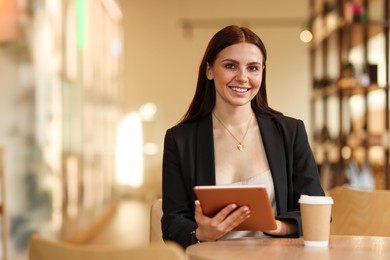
188 129
291 130
282 121
286 127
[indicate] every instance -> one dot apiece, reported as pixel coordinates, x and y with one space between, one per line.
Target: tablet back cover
215 198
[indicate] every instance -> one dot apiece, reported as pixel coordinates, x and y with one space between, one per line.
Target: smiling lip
239 90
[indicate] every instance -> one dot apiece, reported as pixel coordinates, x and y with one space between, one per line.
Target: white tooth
240 89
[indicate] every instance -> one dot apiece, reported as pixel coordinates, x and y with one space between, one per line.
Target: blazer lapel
205 166
275 151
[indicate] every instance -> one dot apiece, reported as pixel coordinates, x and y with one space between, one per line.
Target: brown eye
230 66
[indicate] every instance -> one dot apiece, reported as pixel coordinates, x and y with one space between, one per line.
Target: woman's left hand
283 229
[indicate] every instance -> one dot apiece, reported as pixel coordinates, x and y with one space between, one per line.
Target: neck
233 117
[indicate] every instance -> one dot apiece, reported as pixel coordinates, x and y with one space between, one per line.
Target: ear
209 72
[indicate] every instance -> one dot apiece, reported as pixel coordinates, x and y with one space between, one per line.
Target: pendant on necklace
240 146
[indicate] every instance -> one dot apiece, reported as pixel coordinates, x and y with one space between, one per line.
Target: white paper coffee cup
316 215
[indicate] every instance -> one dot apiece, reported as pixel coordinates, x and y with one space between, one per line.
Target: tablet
214 198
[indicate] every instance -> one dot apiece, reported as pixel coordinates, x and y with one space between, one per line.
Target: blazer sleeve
304 173
178 217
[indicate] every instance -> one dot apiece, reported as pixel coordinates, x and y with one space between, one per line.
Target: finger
198 208
222 215
198 211
278 230
236 218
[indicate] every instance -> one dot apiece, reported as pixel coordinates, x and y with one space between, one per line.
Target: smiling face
237 74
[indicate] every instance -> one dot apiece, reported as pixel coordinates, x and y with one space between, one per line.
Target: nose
241 76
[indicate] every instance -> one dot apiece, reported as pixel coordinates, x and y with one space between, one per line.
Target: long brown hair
203 101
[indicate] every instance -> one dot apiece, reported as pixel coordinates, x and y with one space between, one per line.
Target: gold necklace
240 145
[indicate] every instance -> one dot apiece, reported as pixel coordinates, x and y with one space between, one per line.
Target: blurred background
89 87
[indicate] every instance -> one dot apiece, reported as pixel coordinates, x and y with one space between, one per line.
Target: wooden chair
41 248
155 233
360 212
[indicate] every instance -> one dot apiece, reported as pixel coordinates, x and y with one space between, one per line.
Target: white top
264 178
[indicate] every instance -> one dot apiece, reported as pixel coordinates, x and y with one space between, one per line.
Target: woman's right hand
210 229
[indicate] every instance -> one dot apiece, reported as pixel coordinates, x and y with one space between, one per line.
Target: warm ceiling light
148 111
306 36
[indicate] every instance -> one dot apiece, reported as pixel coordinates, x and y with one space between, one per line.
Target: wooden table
340 247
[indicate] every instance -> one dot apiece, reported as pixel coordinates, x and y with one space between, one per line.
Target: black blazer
188 161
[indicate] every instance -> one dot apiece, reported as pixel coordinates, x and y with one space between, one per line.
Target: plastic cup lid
315 199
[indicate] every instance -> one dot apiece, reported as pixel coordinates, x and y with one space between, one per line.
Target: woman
230 136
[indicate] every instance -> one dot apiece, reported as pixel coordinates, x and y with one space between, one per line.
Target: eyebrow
250 63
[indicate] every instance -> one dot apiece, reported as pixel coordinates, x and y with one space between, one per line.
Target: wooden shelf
333 90
356 30
334 40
